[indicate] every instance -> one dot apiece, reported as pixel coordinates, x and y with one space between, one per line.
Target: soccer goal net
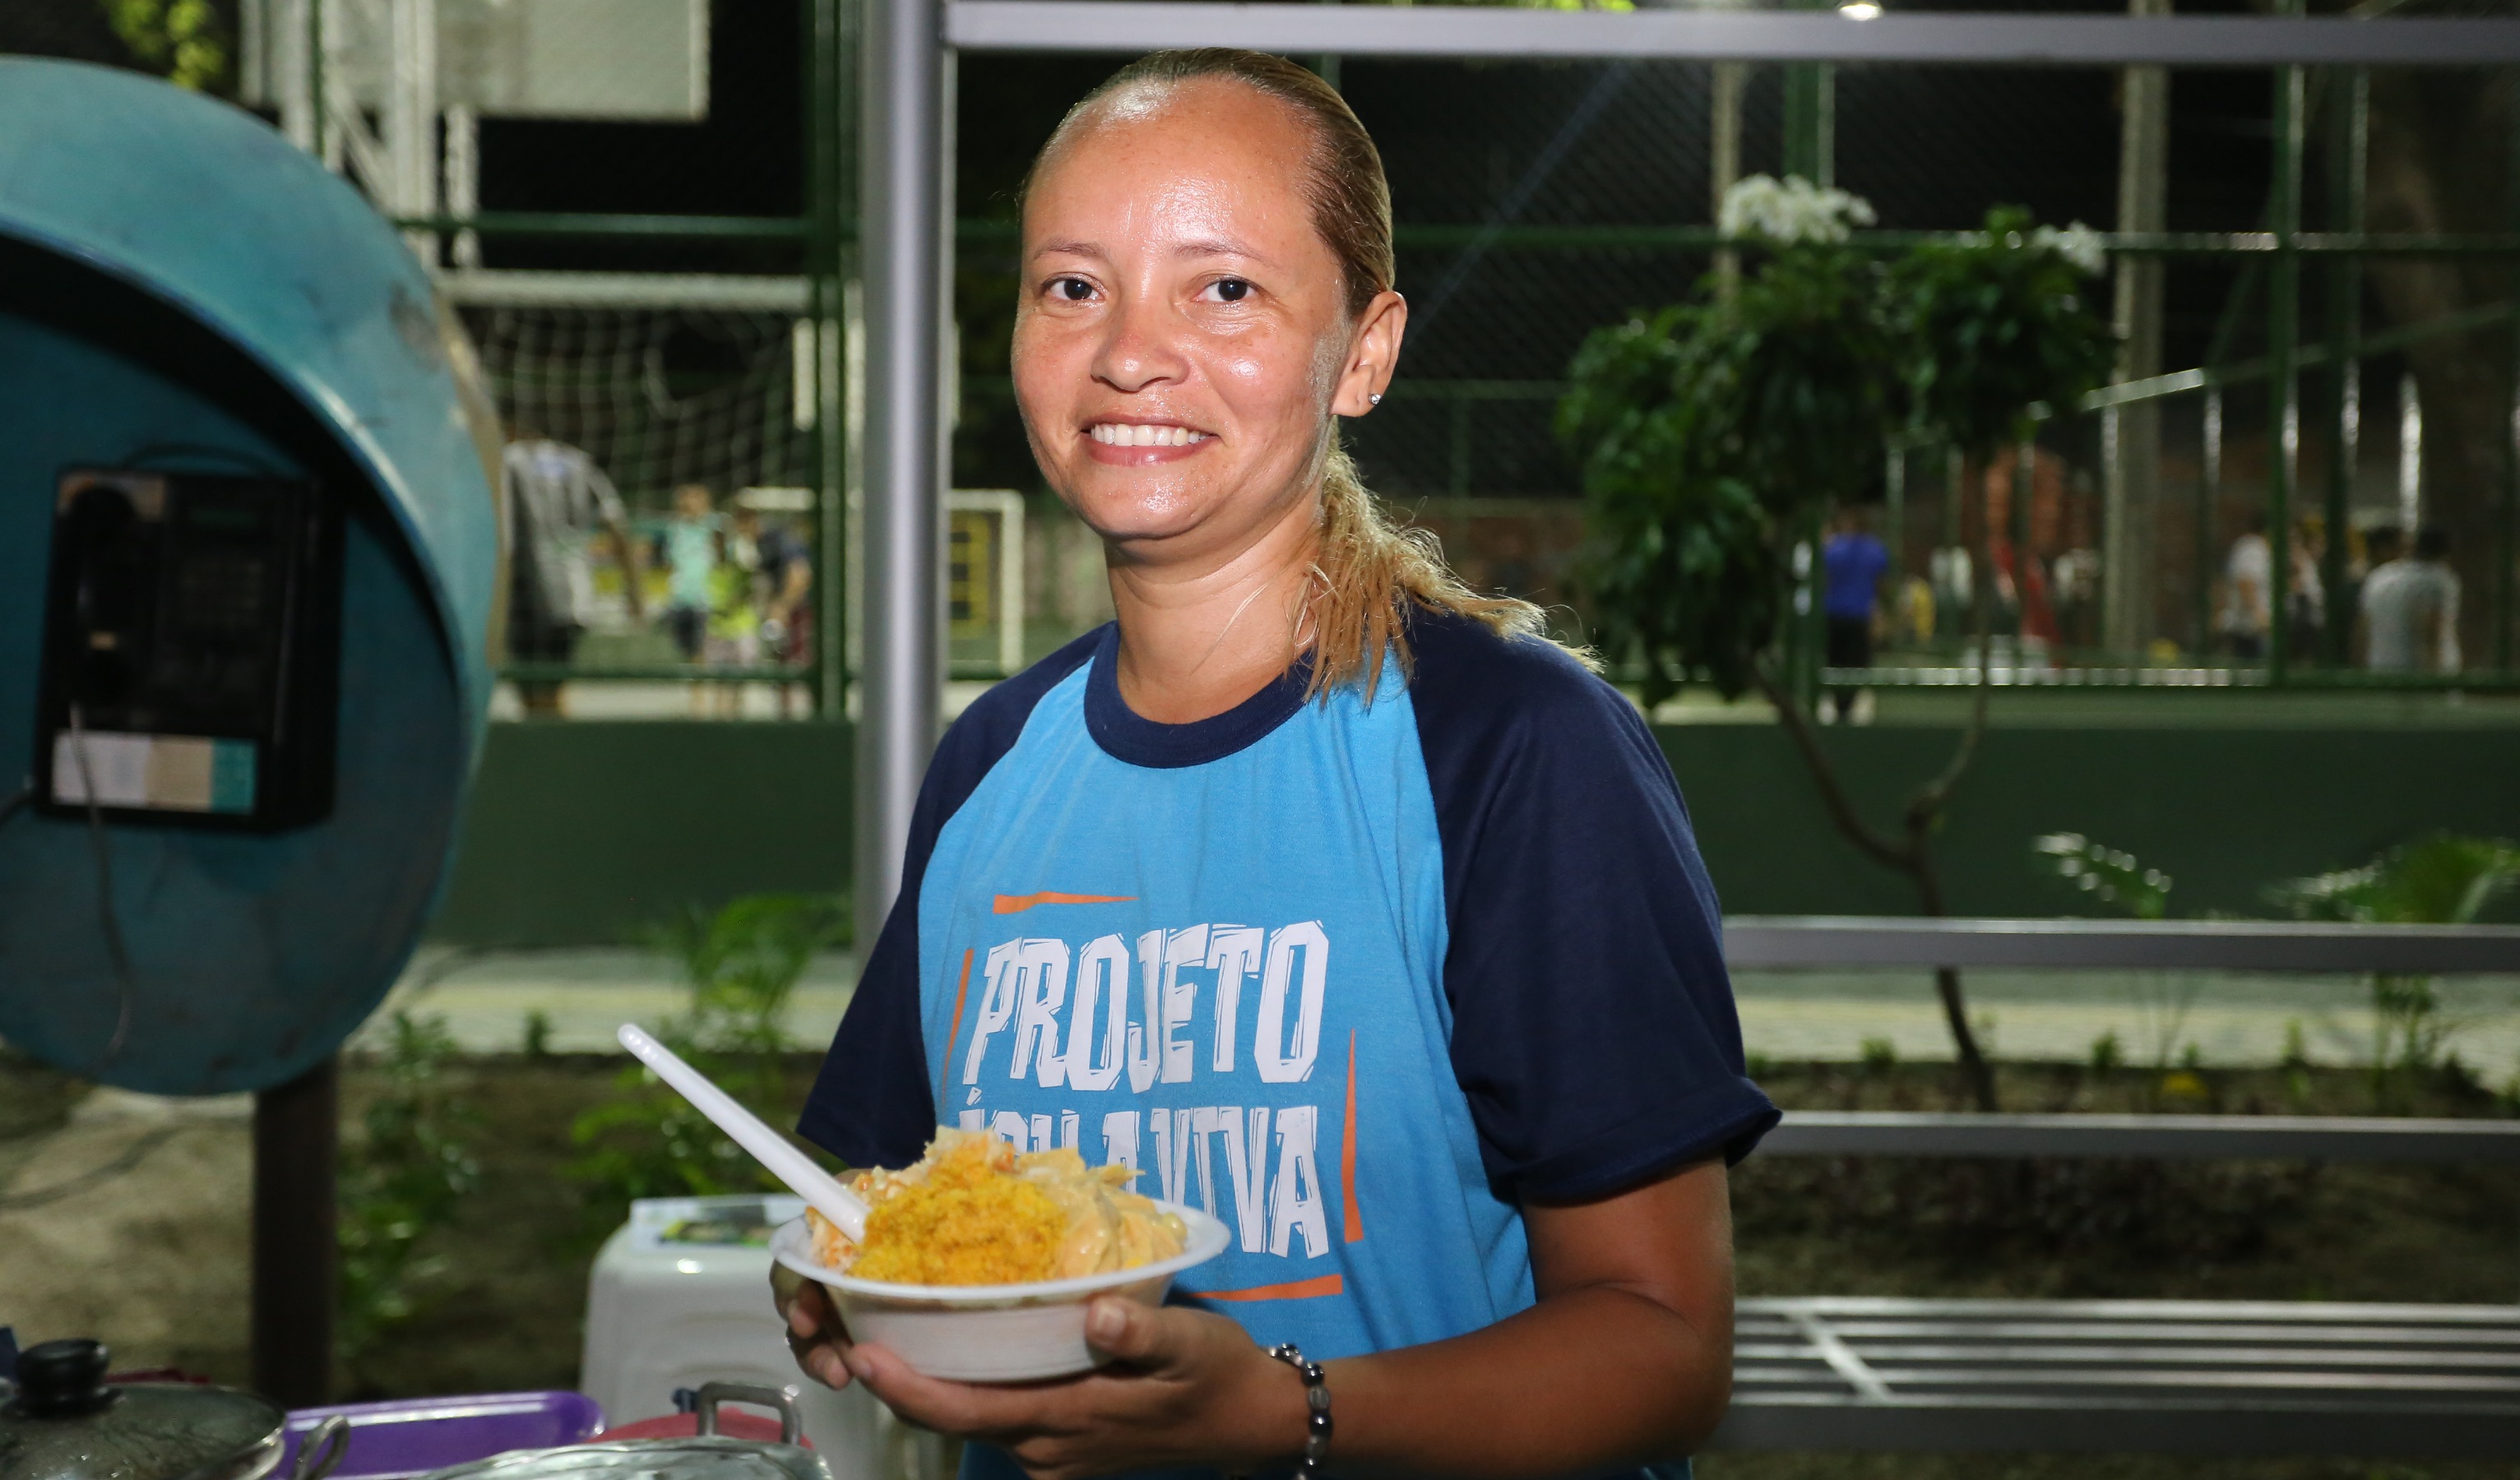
661 395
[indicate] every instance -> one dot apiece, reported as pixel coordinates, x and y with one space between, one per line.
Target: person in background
1854 564
783 579
689 549
558 503
2410 611
1955 590
2248 578
2377 547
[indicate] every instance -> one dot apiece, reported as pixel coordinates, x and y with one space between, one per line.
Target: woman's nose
1138 348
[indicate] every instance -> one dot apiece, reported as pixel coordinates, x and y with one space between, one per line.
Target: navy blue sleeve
1593 1022
872 1106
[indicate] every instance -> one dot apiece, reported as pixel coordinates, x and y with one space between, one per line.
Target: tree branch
1832 791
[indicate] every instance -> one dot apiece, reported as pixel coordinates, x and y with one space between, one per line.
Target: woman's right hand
814 1329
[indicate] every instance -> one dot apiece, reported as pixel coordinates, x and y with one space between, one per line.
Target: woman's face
1182 336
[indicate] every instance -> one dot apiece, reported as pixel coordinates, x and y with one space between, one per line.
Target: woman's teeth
1117 434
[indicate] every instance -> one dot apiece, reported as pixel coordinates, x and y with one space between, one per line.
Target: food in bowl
973 1210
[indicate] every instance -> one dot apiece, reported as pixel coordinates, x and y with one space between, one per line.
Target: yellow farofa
974 1211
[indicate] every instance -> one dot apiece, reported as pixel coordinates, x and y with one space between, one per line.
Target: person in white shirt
2410 611
557 501
2248 578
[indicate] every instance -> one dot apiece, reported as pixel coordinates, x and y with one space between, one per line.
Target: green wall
580 832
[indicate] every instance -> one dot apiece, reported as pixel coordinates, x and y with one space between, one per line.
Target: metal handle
322 1451
714 1393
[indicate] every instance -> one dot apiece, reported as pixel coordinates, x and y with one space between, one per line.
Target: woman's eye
1072 290
1231 290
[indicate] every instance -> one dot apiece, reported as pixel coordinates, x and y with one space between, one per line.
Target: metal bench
2167 1376
2153 1137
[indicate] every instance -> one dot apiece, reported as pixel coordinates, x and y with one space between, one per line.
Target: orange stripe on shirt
952 1034
1301 1289
1355 1226
1017 904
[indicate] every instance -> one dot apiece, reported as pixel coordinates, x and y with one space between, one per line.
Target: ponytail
1366 574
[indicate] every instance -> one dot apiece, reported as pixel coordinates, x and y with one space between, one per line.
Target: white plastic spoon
791 1166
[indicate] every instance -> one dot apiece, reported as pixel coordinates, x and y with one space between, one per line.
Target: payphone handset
192 649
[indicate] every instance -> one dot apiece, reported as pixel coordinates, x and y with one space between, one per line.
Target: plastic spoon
818 1188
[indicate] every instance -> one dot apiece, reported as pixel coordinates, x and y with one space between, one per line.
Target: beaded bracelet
1316 1406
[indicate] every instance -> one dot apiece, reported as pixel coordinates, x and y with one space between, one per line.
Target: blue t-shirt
1855 564
1359 979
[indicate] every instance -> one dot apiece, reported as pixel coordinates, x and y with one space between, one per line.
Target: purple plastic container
390 1441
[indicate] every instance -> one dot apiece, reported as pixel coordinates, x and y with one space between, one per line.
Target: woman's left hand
1184 1388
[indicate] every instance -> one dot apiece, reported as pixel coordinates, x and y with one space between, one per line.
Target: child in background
691 560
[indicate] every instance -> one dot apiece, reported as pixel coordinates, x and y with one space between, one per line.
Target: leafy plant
1713 434
741 964
2120 881
401 1176
2441 879
2106 874
1997 329
181 39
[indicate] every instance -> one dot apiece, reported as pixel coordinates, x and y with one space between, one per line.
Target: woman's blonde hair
1368 570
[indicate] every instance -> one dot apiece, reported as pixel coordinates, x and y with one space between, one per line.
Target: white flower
2077 244
1790 211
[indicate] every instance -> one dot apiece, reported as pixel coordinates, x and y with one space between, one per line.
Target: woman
1321 890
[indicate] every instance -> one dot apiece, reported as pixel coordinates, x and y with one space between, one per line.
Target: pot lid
713 1457
65 1422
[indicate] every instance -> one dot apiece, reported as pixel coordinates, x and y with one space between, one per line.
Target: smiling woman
1354 911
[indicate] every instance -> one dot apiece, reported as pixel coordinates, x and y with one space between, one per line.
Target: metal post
2348 173
294 66
2209 509
1457 475
2132 515
827 140
2506 525
319 128
296 1135
1810 121
462 187
410 119
2410 459
2283 410
1955 493
1723 159
902 163
2025 488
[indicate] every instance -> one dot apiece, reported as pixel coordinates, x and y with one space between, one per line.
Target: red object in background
2038 614
732 1424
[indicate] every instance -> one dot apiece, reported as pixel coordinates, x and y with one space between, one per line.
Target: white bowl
992 1332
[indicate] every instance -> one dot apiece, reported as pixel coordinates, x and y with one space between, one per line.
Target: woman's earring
1373 399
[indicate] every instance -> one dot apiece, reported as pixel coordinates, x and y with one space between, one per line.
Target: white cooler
676 1300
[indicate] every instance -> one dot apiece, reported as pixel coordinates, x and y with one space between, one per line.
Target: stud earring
1373 399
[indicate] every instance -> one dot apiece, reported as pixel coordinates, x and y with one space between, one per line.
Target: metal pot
66 1423
709 1455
